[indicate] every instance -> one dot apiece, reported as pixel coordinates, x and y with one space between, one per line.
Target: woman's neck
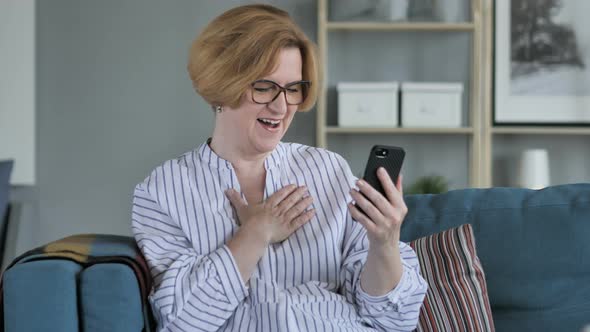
241 161
249 168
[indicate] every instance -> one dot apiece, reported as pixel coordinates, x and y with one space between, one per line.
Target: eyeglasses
266 91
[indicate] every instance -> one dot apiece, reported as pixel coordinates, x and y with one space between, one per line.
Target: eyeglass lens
264 92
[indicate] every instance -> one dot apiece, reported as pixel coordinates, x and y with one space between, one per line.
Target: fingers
298 208
362 219
301 220
368 207
393 193
375 200
291 200
280 195
379 209
235 199
400 184
386 183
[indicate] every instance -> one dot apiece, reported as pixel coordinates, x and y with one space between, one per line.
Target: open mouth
270 123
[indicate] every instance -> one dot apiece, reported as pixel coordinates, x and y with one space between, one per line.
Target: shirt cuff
229 274
392 301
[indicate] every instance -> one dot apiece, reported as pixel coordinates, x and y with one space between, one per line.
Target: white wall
17 88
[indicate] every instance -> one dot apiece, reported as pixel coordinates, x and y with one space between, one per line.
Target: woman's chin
265 141
267 146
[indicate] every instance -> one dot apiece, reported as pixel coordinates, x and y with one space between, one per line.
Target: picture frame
541 63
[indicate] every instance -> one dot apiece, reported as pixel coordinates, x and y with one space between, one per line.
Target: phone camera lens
381 153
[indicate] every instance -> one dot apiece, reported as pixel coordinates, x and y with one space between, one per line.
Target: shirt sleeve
397 310
193 291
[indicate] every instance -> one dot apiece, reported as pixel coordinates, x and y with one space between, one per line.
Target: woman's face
258 128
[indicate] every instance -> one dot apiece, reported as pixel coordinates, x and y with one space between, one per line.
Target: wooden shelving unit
541 130
480 131
393 131
473 130
394 26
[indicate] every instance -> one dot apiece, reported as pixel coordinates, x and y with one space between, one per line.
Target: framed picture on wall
542 62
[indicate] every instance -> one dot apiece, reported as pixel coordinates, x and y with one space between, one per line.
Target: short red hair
241 46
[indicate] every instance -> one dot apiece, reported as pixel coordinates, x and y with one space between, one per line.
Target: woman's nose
279 105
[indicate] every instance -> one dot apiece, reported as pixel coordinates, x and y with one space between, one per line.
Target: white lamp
534 169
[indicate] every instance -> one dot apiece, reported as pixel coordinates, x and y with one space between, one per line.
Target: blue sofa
534 247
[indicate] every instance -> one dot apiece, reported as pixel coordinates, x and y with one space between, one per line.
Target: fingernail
382 170
360 183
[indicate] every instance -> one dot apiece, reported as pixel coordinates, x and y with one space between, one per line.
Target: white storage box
431 104
368 104
368 10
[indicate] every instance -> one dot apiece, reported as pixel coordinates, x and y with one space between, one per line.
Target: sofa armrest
62 295
41 296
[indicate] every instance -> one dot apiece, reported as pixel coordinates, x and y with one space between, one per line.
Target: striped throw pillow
457 298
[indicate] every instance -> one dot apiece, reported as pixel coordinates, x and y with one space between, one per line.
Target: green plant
430 184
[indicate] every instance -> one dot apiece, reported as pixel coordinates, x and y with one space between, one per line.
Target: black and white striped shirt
309 282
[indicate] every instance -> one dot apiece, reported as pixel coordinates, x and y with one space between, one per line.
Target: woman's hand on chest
276 218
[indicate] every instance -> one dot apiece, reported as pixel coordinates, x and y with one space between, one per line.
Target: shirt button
393 306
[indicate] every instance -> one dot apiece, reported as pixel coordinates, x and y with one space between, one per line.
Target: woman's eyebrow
273 81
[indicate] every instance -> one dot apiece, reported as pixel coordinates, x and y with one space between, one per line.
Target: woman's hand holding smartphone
380 206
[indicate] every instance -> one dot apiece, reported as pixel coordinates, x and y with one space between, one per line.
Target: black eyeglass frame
282 89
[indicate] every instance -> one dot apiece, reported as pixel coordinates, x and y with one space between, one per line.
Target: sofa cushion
110 299
533 245
42 304
457 297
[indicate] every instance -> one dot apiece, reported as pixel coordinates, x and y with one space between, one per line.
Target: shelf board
363 130
540 130
401 26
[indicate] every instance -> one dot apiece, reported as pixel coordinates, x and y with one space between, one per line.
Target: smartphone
389 157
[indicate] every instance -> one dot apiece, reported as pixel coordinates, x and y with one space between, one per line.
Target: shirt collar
207 155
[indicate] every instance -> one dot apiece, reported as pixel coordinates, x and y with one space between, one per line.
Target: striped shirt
181 220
